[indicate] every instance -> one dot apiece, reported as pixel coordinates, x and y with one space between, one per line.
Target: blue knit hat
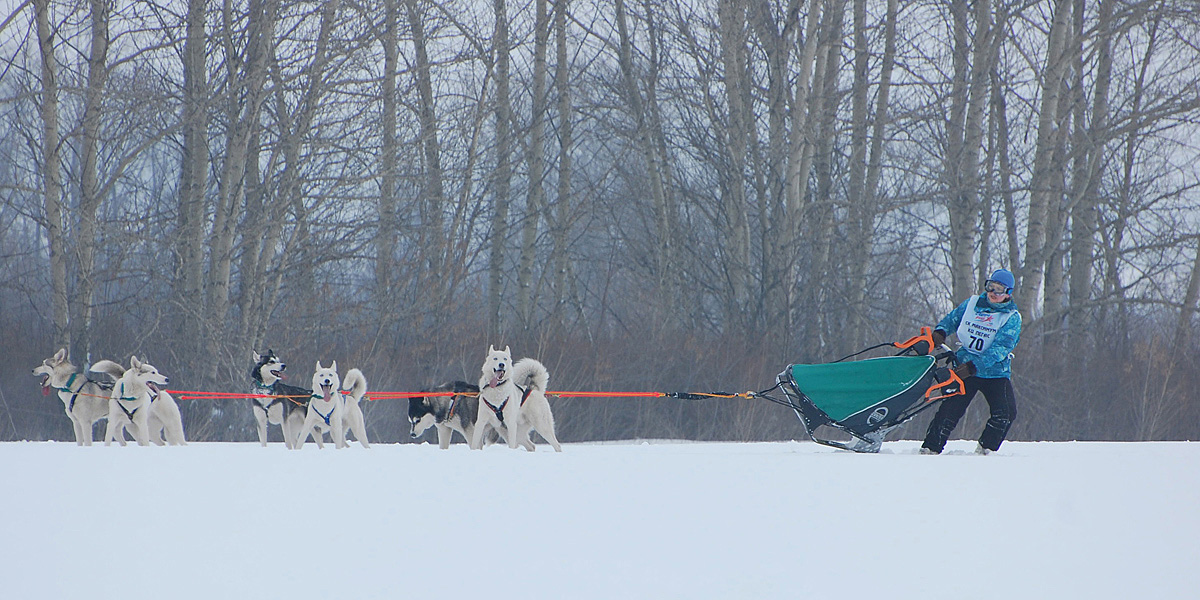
1005 278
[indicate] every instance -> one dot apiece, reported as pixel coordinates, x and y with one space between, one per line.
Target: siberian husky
84 399
514 396
288 406
447 413
334 410
139 405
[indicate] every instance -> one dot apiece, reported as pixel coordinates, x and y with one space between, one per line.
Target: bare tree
1045 184
52 187
535 199
502 179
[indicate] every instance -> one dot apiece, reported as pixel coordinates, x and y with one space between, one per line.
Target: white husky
334 410
85 400
139 405
514 396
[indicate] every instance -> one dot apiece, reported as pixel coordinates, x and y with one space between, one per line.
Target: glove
939 337
922 347
965 370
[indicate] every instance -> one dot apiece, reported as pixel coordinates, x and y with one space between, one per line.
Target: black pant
1002 402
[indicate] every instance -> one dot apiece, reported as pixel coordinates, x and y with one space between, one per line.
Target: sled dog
140 406
288 406
514 396
447 413
333 409
85 400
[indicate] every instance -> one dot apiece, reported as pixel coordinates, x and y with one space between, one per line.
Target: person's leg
947 417
1002 403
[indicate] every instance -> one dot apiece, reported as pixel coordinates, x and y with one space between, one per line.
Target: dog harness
318 411
270 388
328 416
74 393
499 410
122 396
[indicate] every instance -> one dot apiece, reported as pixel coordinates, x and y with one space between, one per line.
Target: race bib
978 329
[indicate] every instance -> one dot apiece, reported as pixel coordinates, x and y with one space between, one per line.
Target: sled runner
868 398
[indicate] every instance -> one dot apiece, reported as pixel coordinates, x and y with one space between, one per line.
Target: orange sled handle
954 379
925 336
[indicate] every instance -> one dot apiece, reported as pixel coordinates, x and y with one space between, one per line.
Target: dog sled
868 398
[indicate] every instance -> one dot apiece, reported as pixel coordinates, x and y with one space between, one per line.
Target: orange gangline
193 395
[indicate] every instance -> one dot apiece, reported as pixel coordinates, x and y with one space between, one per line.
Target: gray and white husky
289 404
84 399
447 413
333 409
513 396
141 406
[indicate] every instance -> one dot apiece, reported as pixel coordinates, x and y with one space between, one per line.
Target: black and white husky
140 406
288 405
333 409
84 399
447 413
513 396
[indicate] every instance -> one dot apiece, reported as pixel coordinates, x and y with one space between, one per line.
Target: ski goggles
999 289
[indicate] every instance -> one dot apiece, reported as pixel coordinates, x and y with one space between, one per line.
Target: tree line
660 195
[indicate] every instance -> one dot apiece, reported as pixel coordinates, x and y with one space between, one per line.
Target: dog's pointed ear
334 366
257 358
319 365
491 348
61 355
507 351
134 362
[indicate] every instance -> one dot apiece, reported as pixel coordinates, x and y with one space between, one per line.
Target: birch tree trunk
641 112
865 168
821 222
89 177
385 235
561 209
1046 172
52 186
1090 143
433 244
244 99
776 261
968 100
1187 309
732 17
536 160
503 173
801 147
193 172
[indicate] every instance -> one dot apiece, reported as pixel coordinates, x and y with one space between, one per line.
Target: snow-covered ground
613 521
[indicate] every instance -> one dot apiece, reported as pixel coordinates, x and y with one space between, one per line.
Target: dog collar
70 382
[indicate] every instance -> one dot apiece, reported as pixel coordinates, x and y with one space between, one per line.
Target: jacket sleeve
1003 344
949 323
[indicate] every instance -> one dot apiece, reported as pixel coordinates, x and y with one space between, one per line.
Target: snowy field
628 520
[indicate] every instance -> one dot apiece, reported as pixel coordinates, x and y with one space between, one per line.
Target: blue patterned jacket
995 362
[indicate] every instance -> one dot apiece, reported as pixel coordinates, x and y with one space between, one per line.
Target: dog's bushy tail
355 384
529 373
108 366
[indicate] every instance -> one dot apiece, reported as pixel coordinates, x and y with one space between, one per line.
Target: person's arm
949 323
